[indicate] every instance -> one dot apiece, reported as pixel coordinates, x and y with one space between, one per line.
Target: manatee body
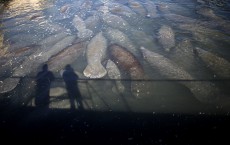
114 73
183 55
140 38
51 40
207 12
59 46
120 38
96 51
79 24
151 9
166 37
197 29
129 63
31 64
203 91
218 64
137 7
172 8
120 9
115 21
180 19
93 23
67 56
12 60
23 40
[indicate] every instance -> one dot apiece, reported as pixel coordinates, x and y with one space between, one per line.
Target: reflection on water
149 56
20 7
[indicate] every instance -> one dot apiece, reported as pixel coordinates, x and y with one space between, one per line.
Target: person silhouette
43 82
70 78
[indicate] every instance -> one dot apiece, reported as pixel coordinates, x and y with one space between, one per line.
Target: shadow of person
43 82
70 78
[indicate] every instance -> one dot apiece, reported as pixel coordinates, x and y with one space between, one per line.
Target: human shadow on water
43 82
70 78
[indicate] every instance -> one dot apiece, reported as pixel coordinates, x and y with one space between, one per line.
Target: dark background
60 126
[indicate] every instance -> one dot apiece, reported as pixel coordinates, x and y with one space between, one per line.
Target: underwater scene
149 56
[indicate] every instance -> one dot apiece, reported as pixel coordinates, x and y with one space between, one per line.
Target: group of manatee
100 30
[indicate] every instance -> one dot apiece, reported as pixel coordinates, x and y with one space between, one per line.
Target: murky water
136 55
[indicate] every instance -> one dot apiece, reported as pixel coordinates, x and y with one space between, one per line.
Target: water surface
189 37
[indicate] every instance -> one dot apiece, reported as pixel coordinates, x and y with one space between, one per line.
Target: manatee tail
8 84
95 71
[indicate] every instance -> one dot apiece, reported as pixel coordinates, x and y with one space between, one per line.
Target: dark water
190 39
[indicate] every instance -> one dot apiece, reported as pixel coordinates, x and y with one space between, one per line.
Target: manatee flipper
95 71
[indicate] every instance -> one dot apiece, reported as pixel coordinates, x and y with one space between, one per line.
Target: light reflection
19 7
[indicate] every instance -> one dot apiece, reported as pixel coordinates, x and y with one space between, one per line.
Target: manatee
205 92
46 43
172 8
180 19
120 9
137 7
93 23
96 51
114 73
23 40
79 24
207 12
66 56
207 32
183 55
85 9
50 27
118 37
115 21
14 59
129 63
151 9
216 63
59 46
31 63
8 84
142 39
166 37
